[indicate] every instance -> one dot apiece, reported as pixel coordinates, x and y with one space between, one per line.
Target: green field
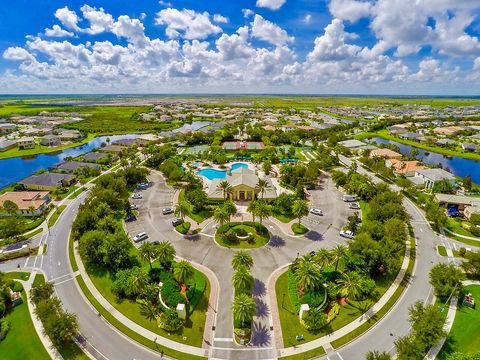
22 341
463 336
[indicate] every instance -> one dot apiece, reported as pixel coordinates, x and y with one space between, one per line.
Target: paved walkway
462 236
129 323
47 343
322 341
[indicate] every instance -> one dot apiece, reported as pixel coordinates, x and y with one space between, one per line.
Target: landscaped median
54 217
244 235
290 320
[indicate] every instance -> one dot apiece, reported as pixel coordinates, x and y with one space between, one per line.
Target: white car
347 233
140 237
134 207
316 211
136 196
354 206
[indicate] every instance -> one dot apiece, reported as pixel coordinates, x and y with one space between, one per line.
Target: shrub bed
183 228
246 234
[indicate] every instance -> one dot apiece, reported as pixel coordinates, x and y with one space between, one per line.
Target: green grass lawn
53 219
41 149
193 329
17 275
283 217
299 229
463 336
39 280
442 251
22 341
76 193
70 190
456 226
200 216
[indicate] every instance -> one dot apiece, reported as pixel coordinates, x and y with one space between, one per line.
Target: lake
456 165
15 169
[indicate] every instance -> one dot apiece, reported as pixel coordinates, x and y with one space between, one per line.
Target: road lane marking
223 339
340 356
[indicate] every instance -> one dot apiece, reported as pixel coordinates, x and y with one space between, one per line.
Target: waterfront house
411 136
444 142
26 143
468 205
95 156
469 147
430 176
50 140
243 183
404 167
29 203
115 149
72 166
385 153
7 144
47 181
352 144
448 130
70 135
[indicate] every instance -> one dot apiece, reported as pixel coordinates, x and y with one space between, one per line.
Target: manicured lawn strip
183 227
285 218
53 219
299 229
22 341
463 336
71 254
72 351
310 354
131 309
70 190
17 275
76 193
39 280
440 150
441 250
456 227
370 322
462 240
40 149
33 224
127 331
33 233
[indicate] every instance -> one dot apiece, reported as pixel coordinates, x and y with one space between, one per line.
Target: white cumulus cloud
351 10
57 31
271 4
268 31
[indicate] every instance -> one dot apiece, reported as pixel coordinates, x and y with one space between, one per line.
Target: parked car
453 212
140 237
136 196
142 186
354 206
316 211
134 206
130 217
156 242
310 187
349 198
347 233
177 221
167 211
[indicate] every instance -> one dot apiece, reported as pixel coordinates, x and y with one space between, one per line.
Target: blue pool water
212 174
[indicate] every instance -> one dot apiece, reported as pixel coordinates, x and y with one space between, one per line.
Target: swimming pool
212 174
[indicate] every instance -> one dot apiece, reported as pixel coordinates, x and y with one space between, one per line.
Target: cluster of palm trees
226 189
308 270
243 306
223 213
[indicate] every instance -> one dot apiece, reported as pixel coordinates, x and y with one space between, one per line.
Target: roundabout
242 235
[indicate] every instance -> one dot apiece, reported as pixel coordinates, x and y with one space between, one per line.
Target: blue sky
268 46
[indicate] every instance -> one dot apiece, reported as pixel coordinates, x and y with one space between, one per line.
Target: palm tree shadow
276 242
259 288
314 235
262 309
260 335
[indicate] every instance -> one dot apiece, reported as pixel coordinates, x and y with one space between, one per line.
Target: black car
156 242
130 217
177 221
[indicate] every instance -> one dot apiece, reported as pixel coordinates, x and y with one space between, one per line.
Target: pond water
15 169
456 165
212 174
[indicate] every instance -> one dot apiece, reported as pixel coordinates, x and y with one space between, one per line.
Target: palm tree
31 210
308 274
300 209
324 257
349 285
242 258
148 251
262 186
183 271
263 211
339 252
243 309
242 280
252 208
230 208
220 215
225 187
137 281
148 310
165 253
183 208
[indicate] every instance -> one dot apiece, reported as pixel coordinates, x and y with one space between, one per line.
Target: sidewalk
131 324
47 343
462 236
352 325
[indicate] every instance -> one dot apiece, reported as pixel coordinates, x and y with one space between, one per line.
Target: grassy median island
22 341
463 336
299 229
53 219
242 235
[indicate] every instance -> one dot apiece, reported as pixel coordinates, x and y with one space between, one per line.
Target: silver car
316 211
